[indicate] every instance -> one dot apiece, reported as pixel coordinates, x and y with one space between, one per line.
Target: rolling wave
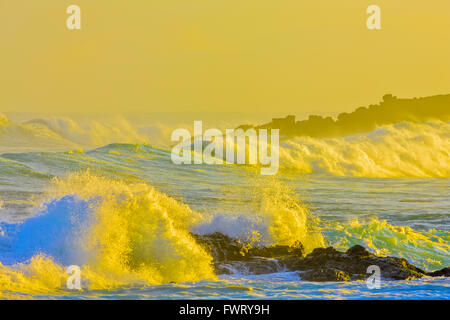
64 133
392 151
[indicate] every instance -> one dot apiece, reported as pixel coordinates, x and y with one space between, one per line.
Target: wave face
64 133
400 150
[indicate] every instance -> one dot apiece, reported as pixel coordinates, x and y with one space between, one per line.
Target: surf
391 151
123 234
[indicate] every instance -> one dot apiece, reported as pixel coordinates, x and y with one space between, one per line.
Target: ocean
124 213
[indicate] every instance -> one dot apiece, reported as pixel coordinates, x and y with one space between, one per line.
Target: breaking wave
123 234
400 150
428 249
391 151
119 234
278 217
63 134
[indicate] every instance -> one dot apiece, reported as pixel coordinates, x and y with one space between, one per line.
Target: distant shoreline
364 119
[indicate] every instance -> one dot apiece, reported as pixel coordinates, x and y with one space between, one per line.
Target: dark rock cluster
323 264
351 265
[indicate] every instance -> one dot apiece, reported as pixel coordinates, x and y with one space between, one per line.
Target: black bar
227 309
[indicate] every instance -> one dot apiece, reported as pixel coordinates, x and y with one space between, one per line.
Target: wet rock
296 250
359 251
355 261
253 266
224 248
323 264
325 274
440 273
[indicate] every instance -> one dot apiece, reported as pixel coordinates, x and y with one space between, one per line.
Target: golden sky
219 55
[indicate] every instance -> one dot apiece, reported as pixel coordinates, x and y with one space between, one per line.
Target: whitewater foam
118 233
400 150
126 233
428 249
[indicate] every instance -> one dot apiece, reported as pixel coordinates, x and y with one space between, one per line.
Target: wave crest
63 133
427 249
400 150
129 233
278 218
118 233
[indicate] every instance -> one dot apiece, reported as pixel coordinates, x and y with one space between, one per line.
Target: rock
325 274
277 251
396 268
440 273
253 266
355 262
323 264
358 251
224 248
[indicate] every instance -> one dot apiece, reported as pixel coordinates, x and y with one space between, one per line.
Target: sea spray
403 149
400 150
427 249
120 234
63 134
288 220
123 234
277 217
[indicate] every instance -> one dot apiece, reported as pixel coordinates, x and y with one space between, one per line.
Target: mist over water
405 149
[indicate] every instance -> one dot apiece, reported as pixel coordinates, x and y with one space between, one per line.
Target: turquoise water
407 217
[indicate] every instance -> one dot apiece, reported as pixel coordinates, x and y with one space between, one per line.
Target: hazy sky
219 55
